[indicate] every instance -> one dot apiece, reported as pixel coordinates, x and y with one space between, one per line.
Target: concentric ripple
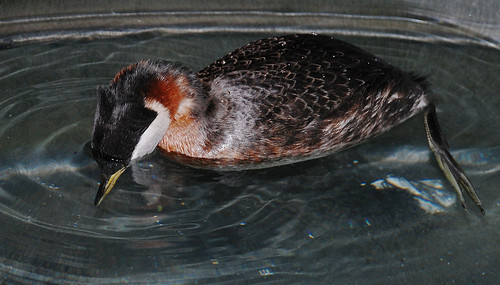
377 210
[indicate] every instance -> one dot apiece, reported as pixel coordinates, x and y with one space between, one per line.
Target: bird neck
181 100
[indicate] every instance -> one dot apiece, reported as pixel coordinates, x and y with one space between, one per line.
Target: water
381 211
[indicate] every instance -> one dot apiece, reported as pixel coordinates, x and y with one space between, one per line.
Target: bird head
132 116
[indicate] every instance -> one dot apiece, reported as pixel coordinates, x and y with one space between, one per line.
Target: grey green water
381 211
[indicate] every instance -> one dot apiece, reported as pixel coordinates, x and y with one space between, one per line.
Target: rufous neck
186 131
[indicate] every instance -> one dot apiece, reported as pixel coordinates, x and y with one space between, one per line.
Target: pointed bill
107 184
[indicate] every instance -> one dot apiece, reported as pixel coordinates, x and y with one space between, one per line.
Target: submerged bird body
273 101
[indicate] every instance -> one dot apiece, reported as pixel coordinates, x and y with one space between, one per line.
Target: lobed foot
450 167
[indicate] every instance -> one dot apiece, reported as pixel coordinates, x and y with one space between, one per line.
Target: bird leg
447 163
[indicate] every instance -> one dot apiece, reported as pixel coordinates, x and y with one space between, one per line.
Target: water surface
381 211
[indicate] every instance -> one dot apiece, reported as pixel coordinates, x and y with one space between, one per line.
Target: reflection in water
380 209
428 193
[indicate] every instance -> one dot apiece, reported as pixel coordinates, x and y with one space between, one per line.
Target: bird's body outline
273 101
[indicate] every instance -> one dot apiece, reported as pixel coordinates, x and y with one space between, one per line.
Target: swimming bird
273 101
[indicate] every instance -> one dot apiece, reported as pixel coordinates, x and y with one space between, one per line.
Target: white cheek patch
155 132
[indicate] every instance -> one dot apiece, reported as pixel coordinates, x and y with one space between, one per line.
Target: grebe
273 101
